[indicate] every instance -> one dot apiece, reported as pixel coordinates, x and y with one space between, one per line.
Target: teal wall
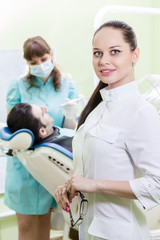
67 25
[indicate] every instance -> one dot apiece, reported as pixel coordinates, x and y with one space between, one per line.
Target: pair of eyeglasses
82 211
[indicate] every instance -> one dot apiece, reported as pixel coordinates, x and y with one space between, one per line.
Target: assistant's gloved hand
70 108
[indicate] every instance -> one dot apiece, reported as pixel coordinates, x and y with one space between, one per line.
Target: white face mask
43 70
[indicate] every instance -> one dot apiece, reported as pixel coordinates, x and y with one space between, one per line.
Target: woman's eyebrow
111 47
115 46
96 49
32 61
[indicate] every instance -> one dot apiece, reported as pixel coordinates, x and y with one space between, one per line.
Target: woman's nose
105 60
39 62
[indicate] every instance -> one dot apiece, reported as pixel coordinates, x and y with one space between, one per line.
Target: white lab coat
120 140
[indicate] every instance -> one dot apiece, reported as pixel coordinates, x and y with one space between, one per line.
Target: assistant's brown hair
37 47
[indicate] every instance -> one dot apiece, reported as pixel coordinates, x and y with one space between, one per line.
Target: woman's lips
107 72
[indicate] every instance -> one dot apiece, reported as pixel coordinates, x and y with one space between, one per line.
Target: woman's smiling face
113 59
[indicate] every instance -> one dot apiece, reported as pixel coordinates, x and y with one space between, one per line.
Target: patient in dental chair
36 119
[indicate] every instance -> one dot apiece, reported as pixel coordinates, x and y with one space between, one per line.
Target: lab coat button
149 185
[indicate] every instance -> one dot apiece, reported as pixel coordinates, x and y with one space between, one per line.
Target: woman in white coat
117 143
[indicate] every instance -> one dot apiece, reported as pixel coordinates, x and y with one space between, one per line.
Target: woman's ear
42 132
135 56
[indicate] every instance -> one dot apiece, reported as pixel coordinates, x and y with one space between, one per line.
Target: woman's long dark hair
37 46
130 38
93 102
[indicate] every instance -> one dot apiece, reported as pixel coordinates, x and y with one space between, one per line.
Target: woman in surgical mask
43 85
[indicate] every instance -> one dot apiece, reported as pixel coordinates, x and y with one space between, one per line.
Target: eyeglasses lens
83 208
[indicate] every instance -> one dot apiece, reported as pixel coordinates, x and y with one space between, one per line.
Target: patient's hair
21 116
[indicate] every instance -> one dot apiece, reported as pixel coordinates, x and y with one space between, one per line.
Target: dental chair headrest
21 139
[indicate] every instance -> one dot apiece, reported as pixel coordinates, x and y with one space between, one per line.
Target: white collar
121 92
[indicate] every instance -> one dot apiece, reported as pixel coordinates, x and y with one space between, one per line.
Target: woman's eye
43 59
32 63
97 54
113 52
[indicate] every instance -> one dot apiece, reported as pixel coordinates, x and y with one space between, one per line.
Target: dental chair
46 162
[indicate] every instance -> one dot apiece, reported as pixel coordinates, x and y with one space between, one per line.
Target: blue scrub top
45 95
22 192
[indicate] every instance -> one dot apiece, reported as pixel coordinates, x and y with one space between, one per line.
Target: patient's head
32 117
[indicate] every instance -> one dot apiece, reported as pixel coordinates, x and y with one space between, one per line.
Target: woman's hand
77 183
61 197
70 108
65 193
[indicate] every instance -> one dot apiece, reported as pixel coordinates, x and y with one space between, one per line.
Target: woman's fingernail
67 204
66 210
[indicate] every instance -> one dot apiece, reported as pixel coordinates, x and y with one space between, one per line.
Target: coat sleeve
13 95
143 145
